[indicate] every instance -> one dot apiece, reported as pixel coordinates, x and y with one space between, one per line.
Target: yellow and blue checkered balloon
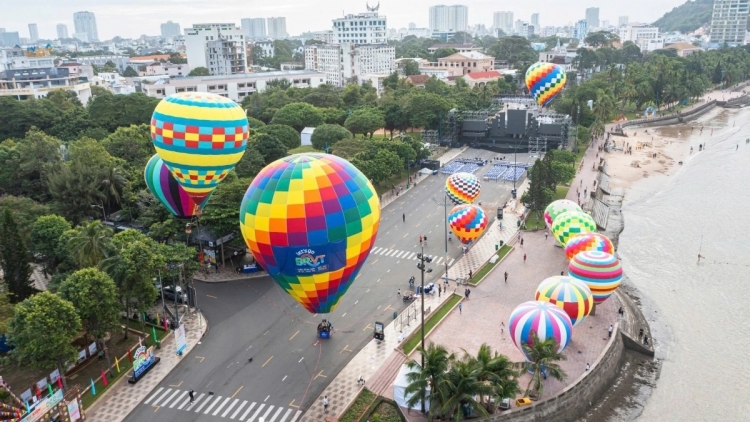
200 136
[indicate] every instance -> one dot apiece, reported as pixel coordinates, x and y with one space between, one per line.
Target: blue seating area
514 173
469 168
452 167
496 171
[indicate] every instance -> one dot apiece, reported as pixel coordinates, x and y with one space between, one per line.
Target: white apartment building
62 31
170 29
167 69
622 21
729 21
85 23
39 82
19 58
503 21
122 62
535 22
581 29
277 28
234 87
219 47
327 37
362 28
449 18
341 62
325 59
255 28
645 36
266 48
33 32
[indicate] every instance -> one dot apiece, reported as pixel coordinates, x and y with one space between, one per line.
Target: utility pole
422 259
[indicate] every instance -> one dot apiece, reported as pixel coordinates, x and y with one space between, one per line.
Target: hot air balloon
544 81
310 220
200 136
569 294
558 207
462 188
165 188
569 224
544 318
588 242
600 271
467 222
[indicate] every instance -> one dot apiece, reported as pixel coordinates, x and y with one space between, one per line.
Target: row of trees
557 167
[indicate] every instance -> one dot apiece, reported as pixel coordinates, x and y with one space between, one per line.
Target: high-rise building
342 62
277 28
581 29
85 23
412 25
503 21
219 47
729 21
363 28
255 28
9 39
449 18
33 32
592 17
622 20
170 29
645 36
62 31
535 22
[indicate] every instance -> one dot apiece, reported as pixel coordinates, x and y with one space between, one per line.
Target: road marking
398 262
218 399
218 409
154 395
389 270
265 415
343 315
208 399
248 348
378 281
411 256
295 334
238 390
379 306
405 235
376 250
417 224
180 397
345 349
236 412
157 408
267 397
226 412
368 326
178 385
244 415
282 380
169 390
296 415
213 297
276 415
200 357
387 308
320 374
255 415
265 332
315 315
292 404
368 291
193 403
286 415
269 359
356 302
373 262
393 246
300 359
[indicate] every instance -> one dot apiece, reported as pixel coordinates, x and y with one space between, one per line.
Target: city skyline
147 17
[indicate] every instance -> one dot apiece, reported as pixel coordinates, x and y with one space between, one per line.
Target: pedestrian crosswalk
221 406
395 253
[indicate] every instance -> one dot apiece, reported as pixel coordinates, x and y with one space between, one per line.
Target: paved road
290 367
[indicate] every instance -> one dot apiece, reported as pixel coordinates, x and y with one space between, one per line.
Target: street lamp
188 230
422 259
445 212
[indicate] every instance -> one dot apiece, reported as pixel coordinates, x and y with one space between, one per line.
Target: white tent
399 389
307 135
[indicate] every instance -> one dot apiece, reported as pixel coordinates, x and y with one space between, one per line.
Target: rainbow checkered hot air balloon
600 271
546 319
200 136
588 242
310 220
569 224
467 222
569 294
462 188
558 207
165 188
544 81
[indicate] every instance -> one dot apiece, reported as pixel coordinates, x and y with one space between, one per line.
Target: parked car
169 294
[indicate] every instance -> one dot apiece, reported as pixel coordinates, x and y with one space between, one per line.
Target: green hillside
687 17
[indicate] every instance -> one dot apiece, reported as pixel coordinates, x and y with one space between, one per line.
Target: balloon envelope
462 188
569 294
588 242
544 318
467 222
200 136
600 271
544 81
569 224
558 207
310 220
165 188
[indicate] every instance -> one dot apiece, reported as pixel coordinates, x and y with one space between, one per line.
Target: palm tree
460 387
496 372
427 381
543 355
91 244
112 184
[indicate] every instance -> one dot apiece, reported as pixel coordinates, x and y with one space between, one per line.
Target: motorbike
408 297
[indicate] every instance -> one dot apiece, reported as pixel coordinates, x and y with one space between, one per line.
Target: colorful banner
43 407
142 360
92 349
74 411
181 341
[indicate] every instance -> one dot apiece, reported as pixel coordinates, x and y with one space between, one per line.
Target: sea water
699 312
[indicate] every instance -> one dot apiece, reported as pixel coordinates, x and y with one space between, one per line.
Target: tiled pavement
122 398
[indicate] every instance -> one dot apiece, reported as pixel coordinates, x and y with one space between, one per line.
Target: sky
133 18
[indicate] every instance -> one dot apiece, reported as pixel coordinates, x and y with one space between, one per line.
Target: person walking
502 327
420 240
522 242
425 240
191 393
403 217
546 233
398 293
325 404
524 258
460 308
506 277
610 331
588 366
470 274
440 288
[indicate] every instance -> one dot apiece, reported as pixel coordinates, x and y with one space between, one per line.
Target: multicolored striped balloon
546 319
467 222
544 81
200 136
601 271
166 190
558 207
569 224
462 188
588 242
571 295
310 220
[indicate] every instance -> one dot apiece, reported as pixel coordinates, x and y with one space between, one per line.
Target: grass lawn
431 321
303 148
387 413
477 278
359 407
536 219
560 192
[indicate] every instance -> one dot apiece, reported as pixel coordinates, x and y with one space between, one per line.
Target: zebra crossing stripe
188 401
169 390
286 415
400 253
244 415
265 415
236 412
255 415
154 395
296 415
177 400
412 256
205 402
276 415
218 399
226 412
376 250
218 409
